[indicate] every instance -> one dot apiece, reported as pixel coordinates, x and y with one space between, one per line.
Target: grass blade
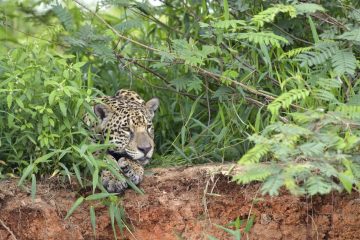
33 186
77 174
226 10
112 218
98 196
93 219
74 206
26 173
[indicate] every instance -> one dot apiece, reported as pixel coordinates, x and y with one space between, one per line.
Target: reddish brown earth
179 203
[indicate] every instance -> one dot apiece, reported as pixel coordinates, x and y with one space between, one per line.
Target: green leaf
249 224
119 221
347 181
68 174
45 157
19 102
63 108
9 100
236 234
78 65
95 178
212 237
313 30
74 207
52 97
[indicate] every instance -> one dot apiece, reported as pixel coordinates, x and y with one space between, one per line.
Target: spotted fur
126 120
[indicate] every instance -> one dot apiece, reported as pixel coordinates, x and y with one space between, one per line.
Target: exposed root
8 229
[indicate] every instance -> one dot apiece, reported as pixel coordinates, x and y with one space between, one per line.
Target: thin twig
134 61
201 70
115 31
7 25
8 229
218 78
329 19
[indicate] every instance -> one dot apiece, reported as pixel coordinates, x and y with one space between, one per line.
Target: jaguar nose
144 149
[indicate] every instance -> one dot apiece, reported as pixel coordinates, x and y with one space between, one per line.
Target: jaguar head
128 126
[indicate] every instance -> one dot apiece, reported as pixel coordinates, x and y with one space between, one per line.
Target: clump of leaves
41 128
43 107
317 153
237 228
45 97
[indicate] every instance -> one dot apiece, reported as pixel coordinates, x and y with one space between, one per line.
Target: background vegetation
274 83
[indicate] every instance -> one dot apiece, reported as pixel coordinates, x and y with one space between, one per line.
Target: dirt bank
181 203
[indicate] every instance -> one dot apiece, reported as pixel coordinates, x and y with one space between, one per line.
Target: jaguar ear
101 110
152 105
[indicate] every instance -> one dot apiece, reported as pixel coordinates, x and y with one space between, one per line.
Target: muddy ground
179 203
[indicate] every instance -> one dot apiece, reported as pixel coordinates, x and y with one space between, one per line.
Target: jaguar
125 121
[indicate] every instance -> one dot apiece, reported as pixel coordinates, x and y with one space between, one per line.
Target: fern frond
312 149
272 185
318 54
269 14
190 53
75 42
64 16
304 8
226 24
253 173
266 38
306 117
128 24
329 83
103 52
349 111
286 99
317 184
355 14
355 168
354 100
327 169
343 62
353 35
324 95
255 154
289 130
296 51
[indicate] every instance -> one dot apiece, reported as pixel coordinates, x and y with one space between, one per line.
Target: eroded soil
179 203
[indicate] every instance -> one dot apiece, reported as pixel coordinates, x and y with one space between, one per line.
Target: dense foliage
284 73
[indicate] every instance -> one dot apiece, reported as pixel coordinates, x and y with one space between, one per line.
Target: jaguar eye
126 129
149 126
